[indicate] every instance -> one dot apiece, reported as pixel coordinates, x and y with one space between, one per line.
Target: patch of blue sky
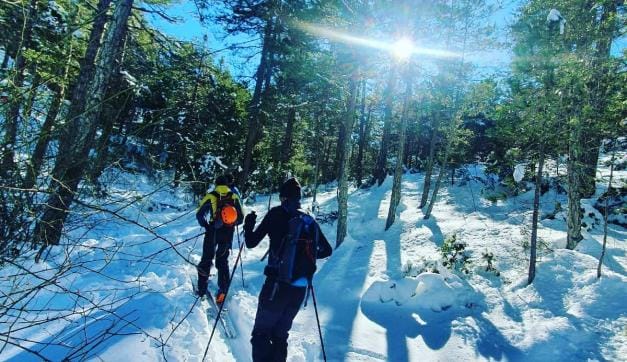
188 27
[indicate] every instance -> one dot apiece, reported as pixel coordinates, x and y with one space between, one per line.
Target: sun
402 49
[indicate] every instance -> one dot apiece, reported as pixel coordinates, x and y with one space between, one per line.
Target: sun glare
402 49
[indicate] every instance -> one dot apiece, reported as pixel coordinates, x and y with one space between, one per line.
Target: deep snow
374 301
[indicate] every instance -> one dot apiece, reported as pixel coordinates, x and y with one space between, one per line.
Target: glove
249 221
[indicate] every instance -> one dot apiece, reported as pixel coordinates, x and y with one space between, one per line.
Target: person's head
222 180
290 190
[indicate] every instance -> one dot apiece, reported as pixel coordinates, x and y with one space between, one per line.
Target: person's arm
324 248
203 210
253 238
239 208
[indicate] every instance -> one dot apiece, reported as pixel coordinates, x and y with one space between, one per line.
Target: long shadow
346 271
554 284
402 321
347 268
437 237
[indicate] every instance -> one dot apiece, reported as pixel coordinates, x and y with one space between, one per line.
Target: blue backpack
298 253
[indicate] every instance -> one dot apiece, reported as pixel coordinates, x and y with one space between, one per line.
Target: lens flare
402 49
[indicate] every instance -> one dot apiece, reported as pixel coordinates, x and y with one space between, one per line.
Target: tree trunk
117 104
380 171
286 148
342 197
7 166
430 161
45 133
320 146
574 188
254 108
363 136
438 182
363 142
398 171
534 220
75 142
32 94
605 215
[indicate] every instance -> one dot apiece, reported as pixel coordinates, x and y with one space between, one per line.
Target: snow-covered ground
375 300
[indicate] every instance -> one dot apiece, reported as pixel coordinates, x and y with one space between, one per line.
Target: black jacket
275 224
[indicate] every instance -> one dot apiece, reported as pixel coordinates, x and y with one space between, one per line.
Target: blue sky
189 28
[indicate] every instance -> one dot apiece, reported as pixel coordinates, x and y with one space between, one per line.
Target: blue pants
278 305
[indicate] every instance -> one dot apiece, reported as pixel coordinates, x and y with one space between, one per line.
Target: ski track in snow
370 308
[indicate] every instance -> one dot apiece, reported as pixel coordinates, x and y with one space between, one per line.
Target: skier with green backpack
296 242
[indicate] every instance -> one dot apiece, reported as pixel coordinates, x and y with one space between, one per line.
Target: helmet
228 214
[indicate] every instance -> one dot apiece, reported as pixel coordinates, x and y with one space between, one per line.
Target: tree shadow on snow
402 323
599 300
410 319
344 275
437 237
341 279
87 337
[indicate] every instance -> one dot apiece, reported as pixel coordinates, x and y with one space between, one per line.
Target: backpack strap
217 196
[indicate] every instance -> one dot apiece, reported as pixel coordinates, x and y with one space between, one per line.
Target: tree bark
363 135
45 134
254 108
342 197
380 171
534 220
117 105
438 182
75 142
574 188
288 139
320 146
430 161
395 198
605 215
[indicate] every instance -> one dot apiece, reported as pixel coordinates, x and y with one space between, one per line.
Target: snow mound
428 291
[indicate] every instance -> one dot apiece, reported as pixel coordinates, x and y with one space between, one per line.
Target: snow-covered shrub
326 218
415 268
454 254
489 258
495 196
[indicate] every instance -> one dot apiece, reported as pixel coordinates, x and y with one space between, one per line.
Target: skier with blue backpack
296 242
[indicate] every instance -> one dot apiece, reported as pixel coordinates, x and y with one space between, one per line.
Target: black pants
275 312
221 240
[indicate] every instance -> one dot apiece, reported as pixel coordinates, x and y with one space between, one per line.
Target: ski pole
241 262
226 293
313 296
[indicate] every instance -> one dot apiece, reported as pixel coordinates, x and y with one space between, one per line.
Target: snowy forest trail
376 302
483 318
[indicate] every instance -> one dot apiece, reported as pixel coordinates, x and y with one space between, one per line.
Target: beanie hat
222 180
290 189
